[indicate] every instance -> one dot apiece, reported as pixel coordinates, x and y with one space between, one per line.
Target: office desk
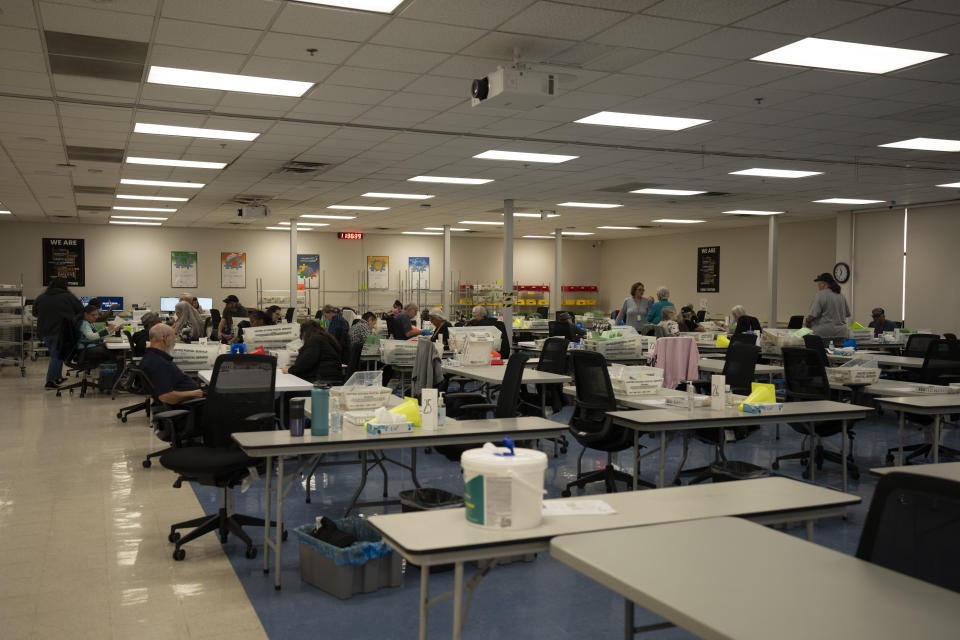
945 470
120 345
936 405
278 444
716 366
285 382
664 420
817 592
885 361
885 387
654 401
493 374
430 538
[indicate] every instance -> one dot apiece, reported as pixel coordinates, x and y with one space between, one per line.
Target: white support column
557 261
293 263
445 282
773 255
508 266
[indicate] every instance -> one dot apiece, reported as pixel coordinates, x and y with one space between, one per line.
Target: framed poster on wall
308 266
233 269
378 272
183 269
419 272
708 269
63 258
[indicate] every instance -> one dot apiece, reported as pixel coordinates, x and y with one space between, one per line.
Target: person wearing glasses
880 322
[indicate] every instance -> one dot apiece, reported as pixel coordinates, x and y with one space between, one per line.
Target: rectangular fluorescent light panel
486 222
640 121
951 185
677 221
669 192
194 132
192 164
306 224
163 183
135 218
848 201
519 156
775 173
533 215
576 233
612 227
441 229
925 144
299 228
356 208
846 56
543 237
158 209
311 215
145 224
227 82
441 179
398 196
753 212
421 233
589 205
161 198
380 6
5 212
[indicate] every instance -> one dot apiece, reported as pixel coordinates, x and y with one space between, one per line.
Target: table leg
543 401
458 600
809 530
278 529
936 438
424 599
903 415
636 460
843 452
266 518
663 458
627 619
813 452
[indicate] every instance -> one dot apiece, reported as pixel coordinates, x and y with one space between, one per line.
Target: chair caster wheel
806 474
855 475
775 465
147 464
174 536
565 493
284 535
251 553
123 419
120 415
179 554
59 394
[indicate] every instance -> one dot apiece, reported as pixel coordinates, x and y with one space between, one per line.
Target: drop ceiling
391 101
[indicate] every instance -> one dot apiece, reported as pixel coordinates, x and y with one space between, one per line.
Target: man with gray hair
402 326
172 385
480 316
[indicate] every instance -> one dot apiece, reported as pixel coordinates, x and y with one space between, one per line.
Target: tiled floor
84 529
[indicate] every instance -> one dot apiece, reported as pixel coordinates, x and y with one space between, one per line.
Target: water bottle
691 397
728 396
320 408
296 417
336 421
830 347
441 411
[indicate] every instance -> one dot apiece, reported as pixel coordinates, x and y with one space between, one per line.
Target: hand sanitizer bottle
691 397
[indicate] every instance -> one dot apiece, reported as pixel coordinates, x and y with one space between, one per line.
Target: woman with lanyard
828 311
634 309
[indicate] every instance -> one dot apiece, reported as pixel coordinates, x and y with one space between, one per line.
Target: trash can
426 499
736 470
363 567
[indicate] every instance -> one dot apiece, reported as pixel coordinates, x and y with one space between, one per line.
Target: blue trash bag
850 342
369 543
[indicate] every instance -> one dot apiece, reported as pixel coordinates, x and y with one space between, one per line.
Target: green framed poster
183 269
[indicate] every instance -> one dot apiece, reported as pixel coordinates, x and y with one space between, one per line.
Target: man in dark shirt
170 383
880 322
402 326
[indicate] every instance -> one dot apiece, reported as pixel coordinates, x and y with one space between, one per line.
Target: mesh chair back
504 349
913 527
390 324
593 380
941 364
749 339
815 343
795 322
508 402
701 315
560 328
740 366
289 314
918 343
242 385
214 324
553 357
353 364
543 312
805 375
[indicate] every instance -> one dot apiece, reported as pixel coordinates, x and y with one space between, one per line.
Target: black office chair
390 327
353 361
747 323
739 368
543 312
918 343
239 398
289 314
504 349
815 343
749 339
913 526
553 359
214 324
592 427
132 382
560 328
795 322
179 429
701 315
806 379
76 360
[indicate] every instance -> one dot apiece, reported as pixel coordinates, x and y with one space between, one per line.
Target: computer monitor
168 304
205 303
106 302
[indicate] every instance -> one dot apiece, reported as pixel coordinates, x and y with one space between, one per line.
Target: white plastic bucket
503 491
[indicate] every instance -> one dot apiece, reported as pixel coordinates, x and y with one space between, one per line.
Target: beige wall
932 293
806 249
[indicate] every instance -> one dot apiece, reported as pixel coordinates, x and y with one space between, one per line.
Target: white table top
705 417
893 388
285 382
529 345
823 593
493 374
652 401
716 366
121 345
934 403
350 438
946 470
886 360
443 530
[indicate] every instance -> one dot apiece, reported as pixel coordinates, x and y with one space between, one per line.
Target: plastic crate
626 347
636 380
401 352
935 388
853 375
359 397
862 335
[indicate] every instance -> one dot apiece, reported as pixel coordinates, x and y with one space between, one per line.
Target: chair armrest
192 403
486 406
261 420
172 414
464 395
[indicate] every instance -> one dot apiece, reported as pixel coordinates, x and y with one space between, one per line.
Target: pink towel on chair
679 359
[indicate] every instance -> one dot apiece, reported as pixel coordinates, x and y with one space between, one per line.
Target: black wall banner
63 258
708 269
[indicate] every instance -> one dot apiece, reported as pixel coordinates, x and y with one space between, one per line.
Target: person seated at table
668 321
441 327
319 359
255 318
332 321
362 329
397 307
140 338
743 322
273 314
195 303
103 316
402 323
89 340
688 321
480 317
171 385
231 309
880 322
188 325
654 314
577 332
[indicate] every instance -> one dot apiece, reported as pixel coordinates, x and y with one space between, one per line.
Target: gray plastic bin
366 566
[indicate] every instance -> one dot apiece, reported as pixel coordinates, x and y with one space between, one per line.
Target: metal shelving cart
13 326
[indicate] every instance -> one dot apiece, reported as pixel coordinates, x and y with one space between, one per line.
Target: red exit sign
350 235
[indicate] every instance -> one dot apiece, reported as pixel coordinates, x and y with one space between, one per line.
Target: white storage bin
862 335
358 397
401 352
853 375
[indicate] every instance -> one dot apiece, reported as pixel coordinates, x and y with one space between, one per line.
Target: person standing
828 311
663 300
634 309
51 308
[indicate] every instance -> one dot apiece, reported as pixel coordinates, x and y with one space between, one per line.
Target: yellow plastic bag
857 325
410 409
723 340
760 392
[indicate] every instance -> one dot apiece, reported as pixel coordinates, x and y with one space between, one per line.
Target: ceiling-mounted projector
514 88
251 211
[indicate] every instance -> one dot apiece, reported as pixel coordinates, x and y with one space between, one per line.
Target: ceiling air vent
94 154
92 208
103 191
246 198
92 57
296 166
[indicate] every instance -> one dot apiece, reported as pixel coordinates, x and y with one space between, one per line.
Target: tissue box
761 407
376 428
681 401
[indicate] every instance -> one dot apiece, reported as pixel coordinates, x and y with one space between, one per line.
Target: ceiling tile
735 44
206 36
503 46
562 21
371 78
429 36
395 59
327 22
186 58
676 65
20 39
95 22
305 71
291 47
485 15
252 14
726 12
807 17
649 32
890 25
